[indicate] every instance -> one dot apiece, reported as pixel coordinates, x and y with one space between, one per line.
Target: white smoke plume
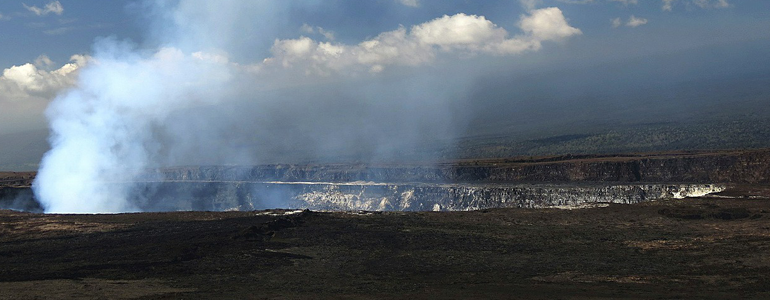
102 129
192 93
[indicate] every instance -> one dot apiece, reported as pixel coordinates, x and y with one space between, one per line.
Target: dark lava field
710 247
707 248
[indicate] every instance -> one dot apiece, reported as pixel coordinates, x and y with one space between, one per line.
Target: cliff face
464 185
219 196
750 167
18 198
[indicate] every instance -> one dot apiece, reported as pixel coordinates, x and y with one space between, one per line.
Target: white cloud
460 33
616 22
635 22
410 3
33 81
547 24
27 89
52 7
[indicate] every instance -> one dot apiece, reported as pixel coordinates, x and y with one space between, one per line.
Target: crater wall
219 196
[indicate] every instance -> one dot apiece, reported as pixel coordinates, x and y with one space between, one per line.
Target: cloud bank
459 34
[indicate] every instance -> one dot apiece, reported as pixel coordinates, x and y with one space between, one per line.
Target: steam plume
102 131
191 99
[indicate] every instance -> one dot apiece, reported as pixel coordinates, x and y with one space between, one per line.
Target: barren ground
707 248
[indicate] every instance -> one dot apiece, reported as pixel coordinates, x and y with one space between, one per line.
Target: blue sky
27 35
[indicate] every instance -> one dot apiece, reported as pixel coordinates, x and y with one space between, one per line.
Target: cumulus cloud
26 89
547 24
468 32
410 3
33 81
420 44
52 7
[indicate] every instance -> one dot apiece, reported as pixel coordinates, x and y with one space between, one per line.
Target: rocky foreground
709 247
714 247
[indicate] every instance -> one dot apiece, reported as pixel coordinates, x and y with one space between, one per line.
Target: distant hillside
22 151
670 136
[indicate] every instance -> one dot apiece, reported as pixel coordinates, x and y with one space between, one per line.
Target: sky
111 89
339 72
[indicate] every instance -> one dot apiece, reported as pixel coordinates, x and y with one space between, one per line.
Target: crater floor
713 247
